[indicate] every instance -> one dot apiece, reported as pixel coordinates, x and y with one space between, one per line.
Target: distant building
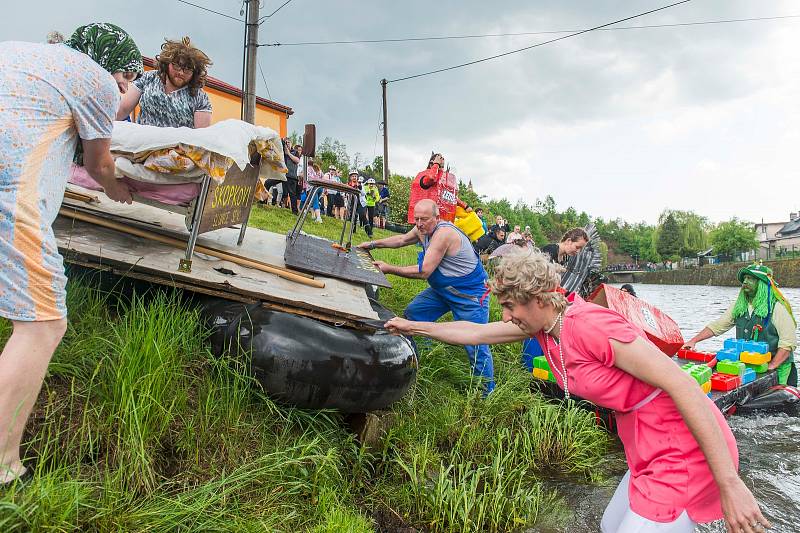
226 103
776 238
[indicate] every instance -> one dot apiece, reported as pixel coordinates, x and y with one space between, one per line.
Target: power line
526 33
265 79
210 10
538 44
265 17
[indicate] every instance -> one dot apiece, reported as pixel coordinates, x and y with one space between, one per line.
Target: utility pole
385 135
251 55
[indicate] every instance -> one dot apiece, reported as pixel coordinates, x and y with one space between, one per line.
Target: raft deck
88 245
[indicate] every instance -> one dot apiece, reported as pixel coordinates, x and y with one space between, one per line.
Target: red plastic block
724 382
694 355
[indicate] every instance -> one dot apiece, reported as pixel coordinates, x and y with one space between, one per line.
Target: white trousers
619 518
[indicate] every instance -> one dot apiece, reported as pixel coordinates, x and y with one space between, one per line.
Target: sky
620 124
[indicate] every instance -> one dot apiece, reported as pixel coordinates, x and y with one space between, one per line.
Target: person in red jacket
438 184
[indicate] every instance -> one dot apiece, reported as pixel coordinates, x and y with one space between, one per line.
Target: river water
769 445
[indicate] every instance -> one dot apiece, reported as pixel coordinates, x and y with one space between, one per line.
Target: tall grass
140 428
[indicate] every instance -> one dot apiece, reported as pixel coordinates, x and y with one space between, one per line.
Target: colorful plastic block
701 373
694 355
727 354
733 344
749 376
541 374
724 382
755 358
541 362
734 368
759 369
755 346
706 386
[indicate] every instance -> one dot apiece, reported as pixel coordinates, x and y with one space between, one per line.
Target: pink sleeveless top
669 473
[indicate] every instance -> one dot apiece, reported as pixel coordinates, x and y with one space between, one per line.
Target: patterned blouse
162 109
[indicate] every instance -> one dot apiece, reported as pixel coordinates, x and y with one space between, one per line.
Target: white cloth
230 138
138 172
619 518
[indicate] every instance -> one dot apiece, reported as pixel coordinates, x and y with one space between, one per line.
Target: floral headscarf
109 45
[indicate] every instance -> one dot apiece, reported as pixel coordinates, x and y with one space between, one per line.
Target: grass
139 428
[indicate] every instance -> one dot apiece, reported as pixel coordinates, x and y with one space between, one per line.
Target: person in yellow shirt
760 312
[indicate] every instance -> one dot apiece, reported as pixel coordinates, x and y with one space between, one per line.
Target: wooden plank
104 246
314 254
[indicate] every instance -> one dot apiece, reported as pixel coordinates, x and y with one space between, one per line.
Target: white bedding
229 138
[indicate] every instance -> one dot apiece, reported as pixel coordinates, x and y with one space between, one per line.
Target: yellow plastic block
706 387
541 373
753 358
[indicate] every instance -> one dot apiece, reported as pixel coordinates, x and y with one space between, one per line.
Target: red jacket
437 185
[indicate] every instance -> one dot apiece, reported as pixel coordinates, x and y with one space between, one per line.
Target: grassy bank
140 428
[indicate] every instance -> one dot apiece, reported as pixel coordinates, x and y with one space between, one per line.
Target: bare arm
395 241
460 332
781 354
100 165
293 158
441 242
128 102
202 119
643 361
704 334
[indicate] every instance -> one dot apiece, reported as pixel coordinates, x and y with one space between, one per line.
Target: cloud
616 123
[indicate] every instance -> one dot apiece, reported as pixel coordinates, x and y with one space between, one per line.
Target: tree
693 228
733 237
669 239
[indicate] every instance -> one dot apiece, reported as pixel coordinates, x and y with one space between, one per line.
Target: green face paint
749 286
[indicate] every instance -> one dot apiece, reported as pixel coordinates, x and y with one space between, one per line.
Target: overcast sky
615 123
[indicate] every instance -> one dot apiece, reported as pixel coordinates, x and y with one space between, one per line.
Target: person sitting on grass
681 454
760 312
455 275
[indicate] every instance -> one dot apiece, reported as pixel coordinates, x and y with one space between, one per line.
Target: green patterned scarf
109 45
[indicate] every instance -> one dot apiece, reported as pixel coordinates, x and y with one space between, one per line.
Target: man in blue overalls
455 274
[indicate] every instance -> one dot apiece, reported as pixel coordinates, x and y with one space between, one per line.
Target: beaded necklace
560 321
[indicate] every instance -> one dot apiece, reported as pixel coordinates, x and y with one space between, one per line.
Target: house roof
220 85
790 228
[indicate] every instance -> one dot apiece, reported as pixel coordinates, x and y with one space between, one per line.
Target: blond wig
527 274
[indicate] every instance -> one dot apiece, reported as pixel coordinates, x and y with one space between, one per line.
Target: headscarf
109 45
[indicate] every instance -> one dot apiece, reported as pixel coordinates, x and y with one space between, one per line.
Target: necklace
560 321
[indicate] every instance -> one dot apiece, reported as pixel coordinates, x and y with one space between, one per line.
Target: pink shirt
669 473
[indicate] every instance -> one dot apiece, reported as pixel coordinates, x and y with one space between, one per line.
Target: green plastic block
541 362
734 368
759 369
701 373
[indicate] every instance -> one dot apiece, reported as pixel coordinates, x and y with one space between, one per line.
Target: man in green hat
761 312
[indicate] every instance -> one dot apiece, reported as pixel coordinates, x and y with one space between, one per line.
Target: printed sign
228 203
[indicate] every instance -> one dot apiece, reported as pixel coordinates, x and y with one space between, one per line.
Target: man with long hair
172 95
760 312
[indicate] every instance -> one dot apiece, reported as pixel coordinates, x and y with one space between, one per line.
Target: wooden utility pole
385 135
251 54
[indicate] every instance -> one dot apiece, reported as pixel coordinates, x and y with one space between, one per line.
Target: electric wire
527 33
265 17
210 10
265 79
518 50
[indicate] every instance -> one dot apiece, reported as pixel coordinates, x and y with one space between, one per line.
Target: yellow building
226 103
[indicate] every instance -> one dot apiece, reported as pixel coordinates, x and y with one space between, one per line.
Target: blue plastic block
733 344
728 354
749 376
755 346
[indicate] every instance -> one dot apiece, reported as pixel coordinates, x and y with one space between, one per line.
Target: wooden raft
88 245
